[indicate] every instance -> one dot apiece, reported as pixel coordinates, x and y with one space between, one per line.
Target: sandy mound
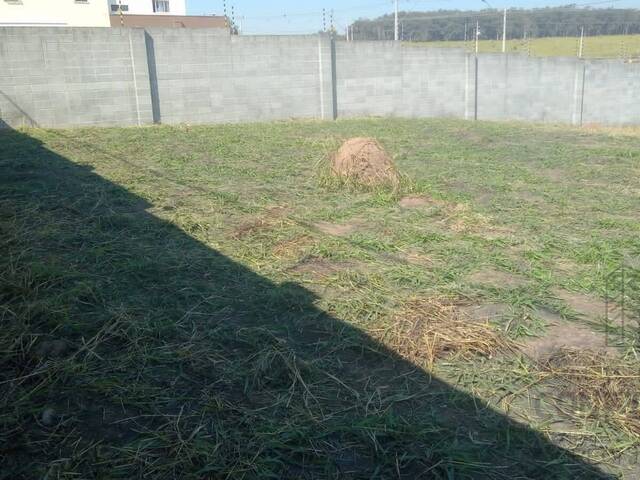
364 161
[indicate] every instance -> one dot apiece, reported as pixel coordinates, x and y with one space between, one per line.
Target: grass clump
426 330
601 386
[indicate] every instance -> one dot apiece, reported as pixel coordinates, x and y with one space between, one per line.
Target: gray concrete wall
369 78
205 78
111 76
73 76
383 78
436 83
611 92
522 88
386 78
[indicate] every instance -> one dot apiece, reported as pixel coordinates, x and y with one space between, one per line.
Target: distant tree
538 22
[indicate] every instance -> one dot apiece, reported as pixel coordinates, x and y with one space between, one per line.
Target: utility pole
395 30
226 17
581 42
475 63
120 13
504 31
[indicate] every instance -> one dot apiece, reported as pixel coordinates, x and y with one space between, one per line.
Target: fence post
475 90
334 79
327 76
135 79
153 77
466 86
584 76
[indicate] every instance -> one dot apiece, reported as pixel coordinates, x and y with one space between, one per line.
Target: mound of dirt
364 161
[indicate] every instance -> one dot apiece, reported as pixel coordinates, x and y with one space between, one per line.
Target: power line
341 10
318 12
407 16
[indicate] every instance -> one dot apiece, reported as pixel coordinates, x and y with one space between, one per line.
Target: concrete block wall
516 87
205 78
387 78
58 77
52 76
369 78
436 83
611 92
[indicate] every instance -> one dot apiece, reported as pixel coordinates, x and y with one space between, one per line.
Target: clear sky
291 16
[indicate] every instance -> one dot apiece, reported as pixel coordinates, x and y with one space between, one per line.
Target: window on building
115 7
160 5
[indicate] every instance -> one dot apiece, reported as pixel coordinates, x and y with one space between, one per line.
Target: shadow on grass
130 349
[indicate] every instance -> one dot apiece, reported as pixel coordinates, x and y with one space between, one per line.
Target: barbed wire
390 2
342 19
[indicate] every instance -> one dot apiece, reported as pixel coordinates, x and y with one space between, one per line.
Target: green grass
172 305
604 46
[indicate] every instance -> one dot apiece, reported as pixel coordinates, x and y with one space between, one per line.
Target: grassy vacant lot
201 302
604 46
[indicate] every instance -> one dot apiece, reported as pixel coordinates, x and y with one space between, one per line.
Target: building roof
176 21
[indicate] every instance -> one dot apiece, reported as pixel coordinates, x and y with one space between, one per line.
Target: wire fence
574 30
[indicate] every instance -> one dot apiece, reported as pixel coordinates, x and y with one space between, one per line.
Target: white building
81 13
149 7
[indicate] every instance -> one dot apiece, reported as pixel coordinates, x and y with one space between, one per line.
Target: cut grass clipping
428 329
602 386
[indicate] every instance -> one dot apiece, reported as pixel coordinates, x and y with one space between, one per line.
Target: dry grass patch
426 330
292 247
603 386
414 257
321 267
272 218
415 201
338 229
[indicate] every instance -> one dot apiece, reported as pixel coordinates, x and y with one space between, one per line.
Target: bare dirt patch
292 247
497 278
278 211
364 161
590 307
273 216
564 335
485 312
554 174
496 233
321 267
416 258
250 227
549 316
565 266
415 201
338 229
529 197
